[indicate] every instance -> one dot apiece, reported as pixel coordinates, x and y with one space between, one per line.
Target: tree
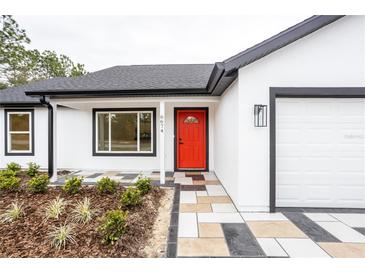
19 65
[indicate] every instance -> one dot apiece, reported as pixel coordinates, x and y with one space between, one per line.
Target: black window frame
125 154
6 122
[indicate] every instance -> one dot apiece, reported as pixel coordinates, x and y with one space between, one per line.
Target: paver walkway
205 223
209 225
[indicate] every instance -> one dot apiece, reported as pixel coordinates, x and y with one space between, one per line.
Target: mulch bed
28 236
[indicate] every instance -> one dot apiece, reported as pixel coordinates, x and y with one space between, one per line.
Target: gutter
44 102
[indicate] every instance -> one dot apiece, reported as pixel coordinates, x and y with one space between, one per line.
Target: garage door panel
320 152
322 164
350 165
288 136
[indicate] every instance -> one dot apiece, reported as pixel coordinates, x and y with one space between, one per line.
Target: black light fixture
260 115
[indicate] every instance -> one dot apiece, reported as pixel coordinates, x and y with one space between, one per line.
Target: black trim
299 92
148 154
206 109
20 105
7 153
43 101
119 93
224 73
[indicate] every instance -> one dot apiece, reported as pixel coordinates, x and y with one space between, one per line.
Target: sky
104 41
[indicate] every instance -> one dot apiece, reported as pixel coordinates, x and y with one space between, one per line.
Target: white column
162 142
54 176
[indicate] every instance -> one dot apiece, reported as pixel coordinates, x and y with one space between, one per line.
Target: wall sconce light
260 115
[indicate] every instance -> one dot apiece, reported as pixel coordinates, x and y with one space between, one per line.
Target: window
191 120
124 132
19 132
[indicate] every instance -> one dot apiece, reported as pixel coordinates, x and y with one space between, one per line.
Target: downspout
50 135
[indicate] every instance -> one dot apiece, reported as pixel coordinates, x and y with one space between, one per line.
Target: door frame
206 109
299 92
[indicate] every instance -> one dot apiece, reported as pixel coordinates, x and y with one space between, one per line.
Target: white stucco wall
334 56
226 140
40 140
74 138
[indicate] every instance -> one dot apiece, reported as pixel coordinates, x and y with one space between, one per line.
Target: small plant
73 185
62 235
144 185
11 183
113 225
33 169
82 211
7 173
38 184
14 212
130 197
13 167
55 208
106 185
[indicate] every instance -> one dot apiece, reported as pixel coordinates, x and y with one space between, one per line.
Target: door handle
180 141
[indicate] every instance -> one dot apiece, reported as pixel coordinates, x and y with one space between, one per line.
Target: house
282 124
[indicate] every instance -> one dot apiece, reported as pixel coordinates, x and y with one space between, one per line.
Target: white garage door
320 150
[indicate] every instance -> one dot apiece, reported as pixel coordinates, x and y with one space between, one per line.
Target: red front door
191 139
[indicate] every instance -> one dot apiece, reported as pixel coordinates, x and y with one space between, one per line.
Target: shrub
62 235
55 208
14 212
113 225
7 173
33 169
131 197
106 185
144 185
82 211
73 185
38 184
10 183
13 167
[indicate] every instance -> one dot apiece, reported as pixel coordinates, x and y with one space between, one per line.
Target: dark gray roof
147 80
122 79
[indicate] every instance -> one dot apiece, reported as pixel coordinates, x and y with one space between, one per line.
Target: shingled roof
155 80
146 79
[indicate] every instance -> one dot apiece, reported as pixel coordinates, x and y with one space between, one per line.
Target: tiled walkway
205 223
208 225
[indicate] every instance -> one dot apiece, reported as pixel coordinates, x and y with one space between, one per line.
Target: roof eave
121 93
278 41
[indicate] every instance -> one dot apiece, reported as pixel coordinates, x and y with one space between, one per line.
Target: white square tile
209 176
302 248
91 180
117 178
187 197
188 226
179 174
320 217
352 219
263 216
224 208
215 190
184 180
219 218
343 232
201 193
84 173
144 173
271 247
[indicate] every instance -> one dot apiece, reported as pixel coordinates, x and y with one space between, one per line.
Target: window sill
147 154
19 153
